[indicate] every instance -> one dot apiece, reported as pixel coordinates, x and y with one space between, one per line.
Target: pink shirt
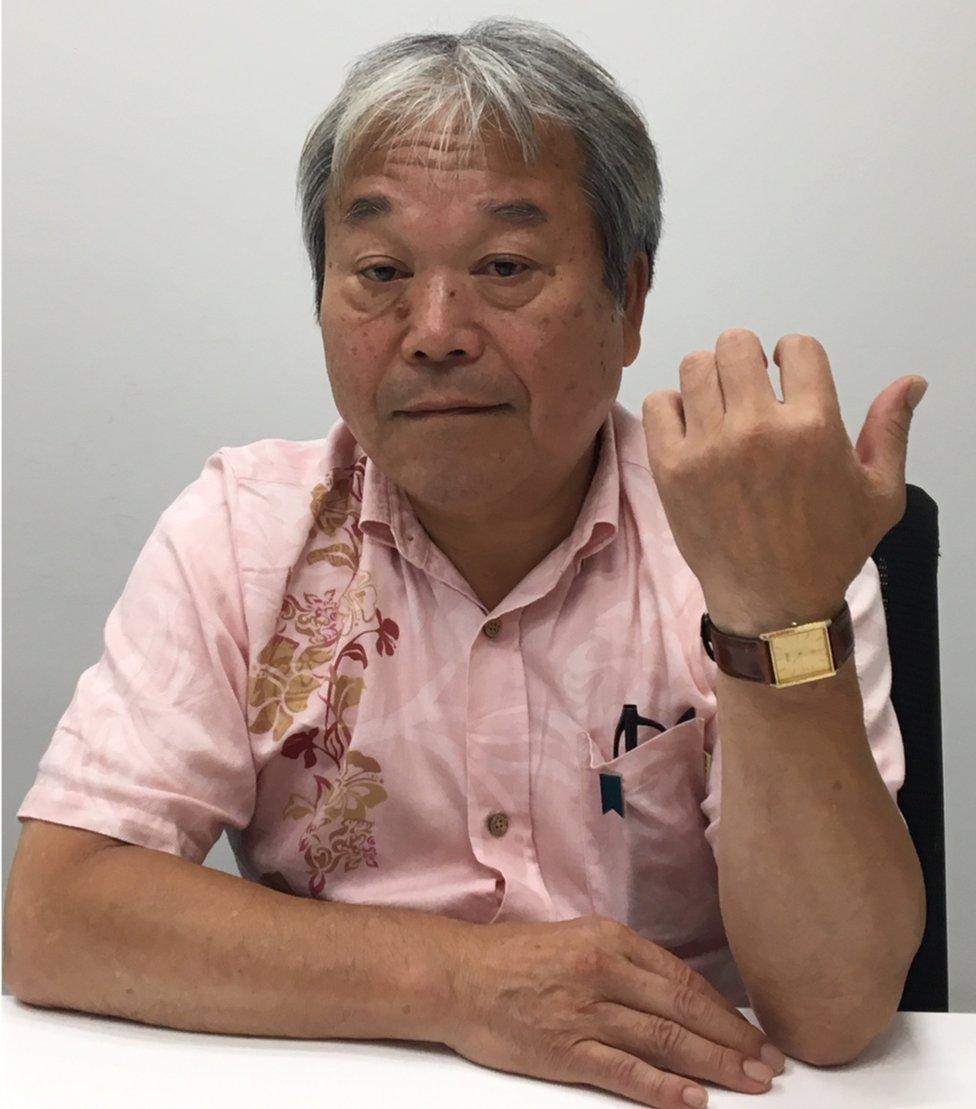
292 659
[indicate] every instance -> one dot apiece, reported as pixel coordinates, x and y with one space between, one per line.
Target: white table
57 1057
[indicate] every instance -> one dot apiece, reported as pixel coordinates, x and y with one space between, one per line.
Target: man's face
437 300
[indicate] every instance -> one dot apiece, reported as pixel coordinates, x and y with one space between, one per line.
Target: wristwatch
789 656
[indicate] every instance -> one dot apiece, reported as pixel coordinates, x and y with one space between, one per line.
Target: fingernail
759 1071
773 1057
916 392
694 1096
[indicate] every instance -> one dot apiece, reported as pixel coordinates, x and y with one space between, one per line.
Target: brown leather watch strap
748 657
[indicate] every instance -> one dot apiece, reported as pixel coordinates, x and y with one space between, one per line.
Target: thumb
883 443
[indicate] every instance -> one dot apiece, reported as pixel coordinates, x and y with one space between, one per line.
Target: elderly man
443 674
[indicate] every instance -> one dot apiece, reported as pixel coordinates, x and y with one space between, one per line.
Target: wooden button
498 823
492 628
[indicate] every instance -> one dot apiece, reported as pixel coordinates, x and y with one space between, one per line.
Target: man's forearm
151 937
821 890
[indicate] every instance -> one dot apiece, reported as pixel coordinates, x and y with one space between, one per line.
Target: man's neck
493 554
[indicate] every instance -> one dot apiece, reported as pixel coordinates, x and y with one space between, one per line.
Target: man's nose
440 324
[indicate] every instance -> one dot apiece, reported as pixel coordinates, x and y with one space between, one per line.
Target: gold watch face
800 654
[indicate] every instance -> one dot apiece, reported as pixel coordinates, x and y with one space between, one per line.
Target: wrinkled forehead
443 159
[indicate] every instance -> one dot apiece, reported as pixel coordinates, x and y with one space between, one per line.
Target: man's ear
638 281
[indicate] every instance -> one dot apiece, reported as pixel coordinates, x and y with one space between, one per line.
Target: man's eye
507 262
375 269
392 269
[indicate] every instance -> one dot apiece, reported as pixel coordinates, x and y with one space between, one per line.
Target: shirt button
498 823
492 628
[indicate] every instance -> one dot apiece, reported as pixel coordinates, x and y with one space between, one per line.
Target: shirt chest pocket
651 866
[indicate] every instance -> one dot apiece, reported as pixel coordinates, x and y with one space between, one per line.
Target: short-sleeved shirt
294 660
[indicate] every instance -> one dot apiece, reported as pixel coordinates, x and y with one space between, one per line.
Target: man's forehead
511 193
362 207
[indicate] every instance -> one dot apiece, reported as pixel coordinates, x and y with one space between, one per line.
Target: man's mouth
431 412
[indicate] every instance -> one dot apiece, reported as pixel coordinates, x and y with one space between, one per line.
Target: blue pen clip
611 793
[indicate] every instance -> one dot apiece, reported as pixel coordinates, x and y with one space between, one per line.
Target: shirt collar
387 516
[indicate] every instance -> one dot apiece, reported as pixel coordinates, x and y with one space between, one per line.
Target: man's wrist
745 619
447 982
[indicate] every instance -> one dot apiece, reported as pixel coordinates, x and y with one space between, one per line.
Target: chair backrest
907 561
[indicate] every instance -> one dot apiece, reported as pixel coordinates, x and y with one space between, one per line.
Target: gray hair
505 70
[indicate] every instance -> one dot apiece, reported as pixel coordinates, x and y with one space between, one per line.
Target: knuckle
655 1084
721 1060
701 460
597 1010
669 468
694 360
564 1057
667 1036
736 333
754 433
625 1070
796 342
761 426
592 1063
577 1063
586 962
812 425
608 929
686 977
689 1004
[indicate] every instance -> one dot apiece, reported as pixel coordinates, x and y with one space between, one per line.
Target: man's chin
456 492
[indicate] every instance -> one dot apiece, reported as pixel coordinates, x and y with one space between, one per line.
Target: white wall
818 163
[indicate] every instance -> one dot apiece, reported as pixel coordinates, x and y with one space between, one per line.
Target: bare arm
822 892
151 937
144 935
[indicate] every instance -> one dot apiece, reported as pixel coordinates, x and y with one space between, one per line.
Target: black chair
907 561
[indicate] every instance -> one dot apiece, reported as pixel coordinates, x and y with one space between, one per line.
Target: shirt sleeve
872 663
154 747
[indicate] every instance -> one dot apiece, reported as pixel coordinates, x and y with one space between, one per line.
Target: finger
651 956
742 371
701 394
648 992
609 1068
650 995
669 1044
804 373
664 424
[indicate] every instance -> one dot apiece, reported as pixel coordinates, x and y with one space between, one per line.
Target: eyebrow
515 213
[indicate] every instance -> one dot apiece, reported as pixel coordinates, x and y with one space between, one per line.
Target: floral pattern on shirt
320 641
